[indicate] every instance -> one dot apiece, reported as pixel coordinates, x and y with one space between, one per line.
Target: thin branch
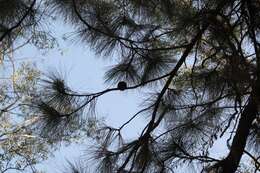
19 23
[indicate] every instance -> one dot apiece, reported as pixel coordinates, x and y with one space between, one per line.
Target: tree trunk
231 162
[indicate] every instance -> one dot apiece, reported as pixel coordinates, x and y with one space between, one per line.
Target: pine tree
202 58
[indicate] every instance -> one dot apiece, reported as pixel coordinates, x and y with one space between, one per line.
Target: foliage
199 58
20 149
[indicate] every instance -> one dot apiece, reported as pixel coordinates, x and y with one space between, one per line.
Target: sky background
84 72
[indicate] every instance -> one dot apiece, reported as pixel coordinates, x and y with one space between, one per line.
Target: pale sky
84 72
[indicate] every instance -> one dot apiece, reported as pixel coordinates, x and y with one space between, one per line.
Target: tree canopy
199 60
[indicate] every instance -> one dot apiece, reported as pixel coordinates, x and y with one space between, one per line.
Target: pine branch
8 31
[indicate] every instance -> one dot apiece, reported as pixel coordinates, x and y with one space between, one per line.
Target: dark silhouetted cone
122 85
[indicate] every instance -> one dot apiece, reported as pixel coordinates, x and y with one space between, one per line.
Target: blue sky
84 71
